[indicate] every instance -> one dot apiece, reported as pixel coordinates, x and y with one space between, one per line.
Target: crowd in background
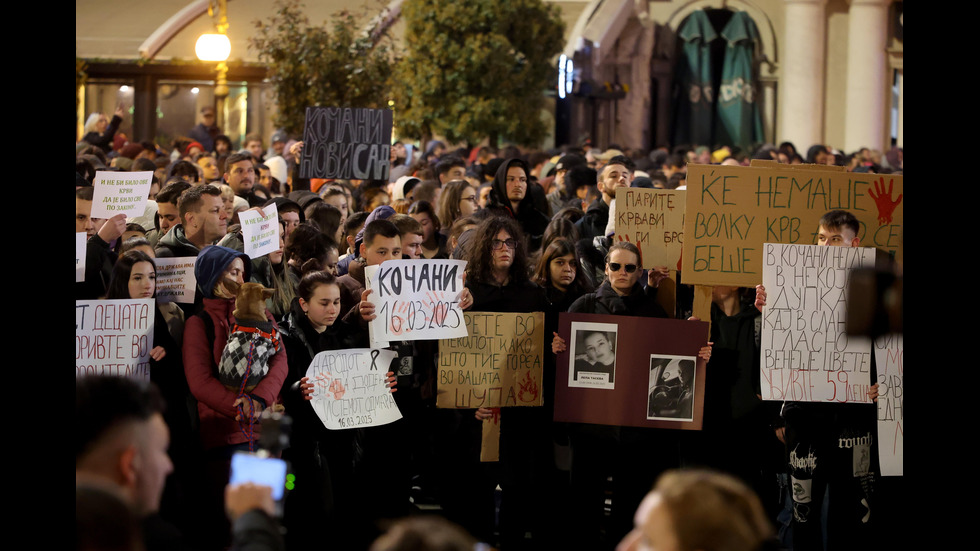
535 229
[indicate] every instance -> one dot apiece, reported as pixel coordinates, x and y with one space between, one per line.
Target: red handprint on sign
884 202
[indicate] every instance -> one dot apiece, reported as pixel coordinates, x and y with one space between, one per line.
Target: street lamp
217 47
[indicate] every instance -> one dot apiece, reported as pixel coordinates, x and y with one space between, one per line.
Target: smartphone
266 471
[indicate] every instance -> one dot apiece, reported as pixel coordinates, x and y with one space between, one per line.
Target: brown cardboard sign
732 211
630 371
498 364
653 220
490 438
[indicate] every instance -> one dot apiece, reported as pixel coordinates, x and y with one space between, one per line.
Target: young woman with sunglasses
633 457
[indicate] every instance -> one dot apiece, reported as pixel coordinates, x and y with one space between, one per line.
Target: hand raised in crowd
760 297
242 498
120 111
656 275
366 307
296 149
558 344
113 228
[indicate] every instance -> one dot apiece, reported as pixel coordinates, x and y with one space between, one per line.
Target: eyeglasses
615 266
471 199
510 244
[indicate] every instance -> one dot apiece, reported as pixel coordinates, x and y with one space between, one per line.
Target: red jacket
214 401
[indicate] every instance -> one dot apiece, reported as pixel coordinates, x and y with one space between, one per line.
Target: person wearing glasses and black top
498 277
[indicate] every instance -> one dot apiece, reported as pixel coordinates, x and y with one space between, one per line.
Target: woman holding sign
633 456
498 277
134 277
322 459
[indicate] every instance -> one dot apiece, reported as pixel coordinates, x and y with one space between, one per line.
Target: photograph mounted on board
671 388
592 359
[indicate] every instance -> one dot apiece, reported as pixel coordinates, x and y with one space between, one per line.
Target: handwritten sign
342 142
114 337
81 243
889 351
260 234
806 354
497 364
732 211
120 192
416 299
653 220
350 388
176 281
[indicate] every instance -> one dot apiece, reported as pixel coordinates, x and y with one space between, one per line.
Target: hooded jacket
201 357
532 220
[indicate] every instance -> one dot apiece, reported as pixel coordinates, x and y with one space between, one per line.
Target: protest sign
889 352
120 192
498 364
416 300
658 382
653 220
260 233
807 355
344 142
80 245
350 388
176 281
114 337
732 211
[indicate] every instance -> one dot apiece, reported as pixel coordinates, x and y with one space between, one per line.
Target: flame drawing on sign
528 388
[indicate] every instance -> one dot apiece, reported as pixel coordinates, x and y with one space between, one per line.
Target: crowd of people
535 230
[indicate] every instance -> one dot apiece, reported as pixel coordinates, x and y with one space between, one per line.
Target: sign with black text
416 300
345 142
807 355
350 388
499 363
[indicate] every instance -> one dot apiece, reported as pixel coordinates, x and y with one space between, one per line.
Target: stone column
801 111
868 87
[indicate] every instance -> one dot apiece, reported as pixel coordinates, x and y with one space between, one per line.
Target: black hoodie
533 222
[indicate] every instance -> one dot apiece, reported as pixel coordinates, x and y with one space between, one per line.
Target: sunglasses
615 266
510 244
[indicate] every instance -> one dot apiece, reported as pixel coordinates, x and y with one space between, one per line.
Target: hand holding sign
656 275
366 307
113 228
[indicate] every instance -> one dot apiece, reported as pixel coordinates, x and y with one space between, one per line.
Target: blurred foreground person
701 510
426 533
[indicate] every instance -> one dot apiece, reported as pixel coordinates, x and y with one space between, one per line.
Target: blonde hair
92 121
711 511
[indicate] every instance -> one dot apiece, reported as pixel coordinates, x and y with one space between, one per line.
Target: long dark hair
557 248
480 255
119 280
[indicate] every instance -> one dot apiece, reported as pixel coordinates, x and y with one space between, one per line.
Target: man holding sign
830 444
